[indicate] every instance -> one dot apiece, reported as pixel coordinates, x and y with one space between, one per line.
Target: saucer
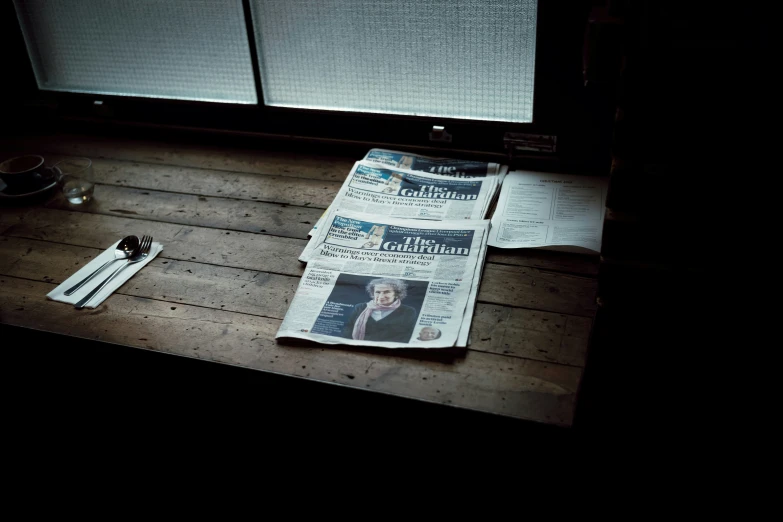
25 194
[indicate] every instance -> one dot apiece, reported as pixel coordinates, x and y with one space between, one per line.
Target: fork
140 255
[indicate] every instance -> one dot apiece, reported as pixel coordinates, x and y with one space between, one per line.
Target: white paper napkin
58 294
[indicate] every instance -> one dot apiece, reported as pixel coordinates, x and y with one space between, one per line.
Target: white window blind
181 49
470 59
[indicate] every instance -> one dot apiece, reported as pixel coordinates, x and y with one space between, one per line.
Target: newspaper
445 166
396 192
455 168
550 211
389 282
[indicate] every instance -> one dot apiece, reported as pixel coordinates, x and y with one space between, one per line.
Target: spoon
125 249
140 255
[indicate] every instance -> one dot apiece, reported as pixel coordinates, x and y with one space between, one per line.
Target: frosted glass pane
470 59
183 49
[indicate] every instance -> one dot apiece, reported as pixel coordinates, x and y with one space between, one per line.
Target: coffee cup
25 174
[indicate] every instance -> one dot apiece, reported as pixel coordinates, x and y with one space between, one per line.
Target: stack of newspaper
396 259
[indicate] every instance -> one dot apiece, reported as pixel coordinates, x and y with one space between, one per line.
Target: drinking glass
76 179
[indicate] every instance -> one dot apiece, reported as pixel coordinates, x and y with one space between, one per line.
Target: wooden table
233 222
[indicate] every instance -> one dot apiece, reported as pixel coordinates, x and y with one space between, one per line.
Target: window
181 49
367 71
444 58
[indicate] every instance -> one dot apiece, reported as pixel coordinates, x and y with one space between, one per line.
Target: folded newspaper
389 282
454 168
445 166
397 192
550 211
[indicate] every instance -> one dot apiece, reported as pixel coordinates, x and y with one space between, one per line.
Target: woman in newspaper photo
384 318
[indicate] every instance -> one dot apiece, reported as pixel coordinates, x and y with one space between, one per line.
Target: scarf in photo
361 321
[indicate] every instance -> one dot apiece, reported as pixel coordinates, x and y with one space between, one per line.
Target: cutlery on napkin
58 294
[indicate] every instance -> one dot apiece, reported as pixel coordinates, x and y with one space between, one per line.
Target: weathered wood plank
515 387
254 161
204 182
531 288
515 286
185 209
545 260
531 334
12 216
222 288
204 245
497 329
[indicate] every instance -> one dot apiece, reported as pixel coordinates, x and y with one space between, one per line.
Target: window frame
562 105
